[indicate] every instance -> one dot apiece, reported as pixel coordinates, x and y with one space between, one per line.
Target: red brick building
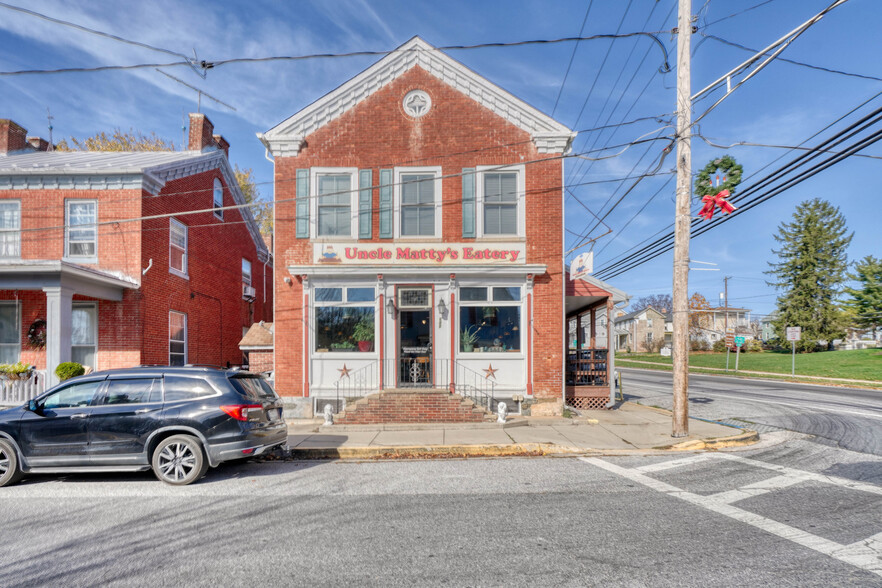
103 258
419 236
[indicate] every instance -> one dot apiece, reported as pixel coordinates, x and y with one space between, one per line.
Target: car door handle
143 410
79 415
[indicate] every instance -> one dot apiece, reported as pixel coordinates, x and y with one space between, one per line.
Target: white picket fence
14 392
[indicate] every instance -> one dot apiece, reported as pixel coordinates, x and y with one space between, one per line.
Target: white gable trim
286 138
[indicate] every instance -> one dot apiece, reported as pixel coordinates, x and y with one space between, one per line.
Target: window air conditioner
248 291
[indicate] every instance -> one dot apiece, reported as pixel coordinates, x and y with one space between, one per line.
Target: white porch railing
13 392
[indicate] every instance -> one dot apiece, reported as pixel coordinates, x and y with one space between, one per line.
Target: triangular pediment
286 138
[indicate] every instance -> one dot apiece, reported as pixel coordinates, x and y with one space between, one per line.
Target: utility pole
680 418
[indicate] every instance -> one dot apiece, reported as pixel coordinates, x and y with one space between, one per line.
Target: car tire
10 473
179 460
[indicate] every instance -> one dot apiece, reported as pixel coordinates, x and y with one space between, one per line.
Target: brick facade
456 133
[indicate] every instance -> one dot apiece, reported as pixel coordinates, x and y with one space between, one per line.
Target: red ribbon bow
710 202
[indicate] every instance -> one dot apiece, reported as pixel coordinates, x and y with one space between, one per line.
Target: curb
745 438
433 451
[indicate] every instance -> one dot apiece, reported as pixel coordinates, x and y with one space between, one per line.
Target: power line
794 62
739 13
188 61
206 65
572 57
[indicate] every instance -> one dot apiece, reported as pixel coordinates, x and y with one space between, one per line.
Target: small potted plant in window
363 333
469 336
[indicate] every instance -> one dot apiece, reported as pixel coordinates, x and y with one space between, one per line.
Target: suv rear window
253 387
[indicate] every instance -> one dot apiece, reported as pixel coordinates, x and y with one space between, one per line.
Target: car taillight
240 411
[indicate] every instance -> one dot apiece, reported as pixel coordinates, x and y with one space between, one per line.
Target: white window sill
180 274
93 260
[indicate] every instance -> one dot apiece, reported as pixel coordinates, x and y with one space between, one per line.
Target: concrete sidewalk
631 428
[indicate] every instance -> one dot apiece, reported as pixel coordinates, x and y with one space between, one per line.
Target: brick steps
412 406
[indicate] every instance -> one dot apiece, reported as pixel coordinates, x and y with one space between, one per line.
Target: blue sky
783 105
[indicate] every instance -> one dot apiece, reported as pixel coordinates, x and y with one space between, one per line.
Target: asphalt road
849 418
718 519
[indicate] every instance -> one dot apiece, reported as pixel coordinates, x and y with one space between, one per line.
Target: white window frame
67 227
247 278
170 340
93 306
316 304
15 232
396 201
521 200
521 304
17 326
217 189
314 174
172 225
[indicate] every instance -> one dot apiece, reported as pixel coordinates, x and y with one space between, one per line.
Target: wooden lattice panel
588 402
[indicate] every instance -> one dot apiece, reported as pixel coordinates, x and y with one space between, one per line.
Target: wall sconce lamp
390 307
442 307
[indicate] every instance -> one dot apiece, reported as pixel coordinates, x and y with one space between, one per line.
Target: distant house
641 329
104 262
715 321
767 329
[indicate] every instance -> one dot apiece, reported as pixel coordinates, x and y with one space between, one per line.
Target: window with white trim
501 203
334 205
10 332
177 338
344 319
177 247
417 193
84 334
10 229
246 272
81 229
218 195
490 318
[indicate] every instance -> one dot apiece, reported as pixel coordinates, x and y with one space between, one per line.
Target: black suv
176 420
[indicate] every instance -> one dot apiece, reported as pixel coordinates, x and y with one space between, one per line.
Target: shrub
720 346
69 369
753 345
698 345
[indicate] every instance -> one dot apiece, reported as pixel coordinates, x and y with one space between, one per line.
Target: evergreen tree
866 302
811 268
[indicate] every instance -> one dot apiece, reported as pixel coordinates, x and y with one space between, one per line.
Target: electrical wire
572 57
739 13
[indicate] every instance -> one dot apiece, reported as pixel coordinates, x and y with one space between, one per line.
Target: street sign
739 341
730 337
794 333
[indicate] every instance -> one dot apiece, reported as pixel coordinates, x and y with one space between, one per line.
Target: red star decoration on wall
344 371
490 372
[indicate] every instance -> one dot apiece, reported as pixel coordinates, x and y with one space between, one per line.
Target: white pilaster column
58 328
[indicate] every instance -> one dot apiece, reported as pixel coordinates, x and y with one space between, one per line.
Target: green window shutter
302 223
385 204
468 203
365 180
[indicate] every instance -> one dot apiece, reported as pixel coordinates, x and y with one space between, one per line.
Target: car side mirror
32 405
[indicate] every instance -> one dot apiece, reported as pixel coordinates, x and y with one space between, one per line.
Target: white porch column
58 328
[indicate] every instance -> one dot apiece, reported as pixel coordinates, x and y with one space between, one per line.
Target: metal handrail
477 387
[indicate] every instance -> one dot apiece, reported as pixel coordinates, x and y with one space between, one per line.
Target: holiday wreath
37 334
715 195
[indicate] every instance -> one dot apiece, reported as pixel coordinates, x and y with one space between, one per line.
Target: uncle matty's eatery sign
419 253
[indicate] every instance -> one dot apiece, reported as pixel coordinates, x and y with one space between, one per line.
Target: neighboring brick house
417 204
257 346
639 330
98 249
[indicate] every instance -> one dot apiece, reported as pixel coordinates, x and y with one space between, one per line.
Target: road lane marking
758 488
666 465
859 556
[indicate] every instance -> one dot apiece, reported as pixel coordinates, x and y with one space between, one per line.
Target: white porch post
58 328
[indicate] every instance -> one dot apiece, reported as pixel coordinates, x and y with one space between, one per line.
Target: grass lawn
861 364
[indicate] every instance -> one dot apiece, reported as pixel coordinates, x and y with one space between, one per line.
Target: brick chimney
222 144
12 136
201 131
38 143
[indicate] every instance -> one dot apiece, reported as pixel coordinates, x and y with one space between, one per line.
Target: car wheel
179 460
10 473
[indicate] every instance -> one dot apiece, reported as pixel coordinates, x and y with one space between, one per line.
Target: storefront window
344 322
490 319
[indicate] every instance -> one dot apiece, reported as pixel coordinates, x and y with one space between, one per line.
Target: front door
415 338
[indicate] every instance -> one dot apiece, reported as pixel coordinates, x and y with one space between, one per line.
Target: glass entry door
415 338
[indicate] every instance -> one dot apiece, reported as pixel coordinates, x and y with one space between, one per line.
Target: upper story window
218 199
417 202
10 228
334 205
501 206
81 229
177 247
246 272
